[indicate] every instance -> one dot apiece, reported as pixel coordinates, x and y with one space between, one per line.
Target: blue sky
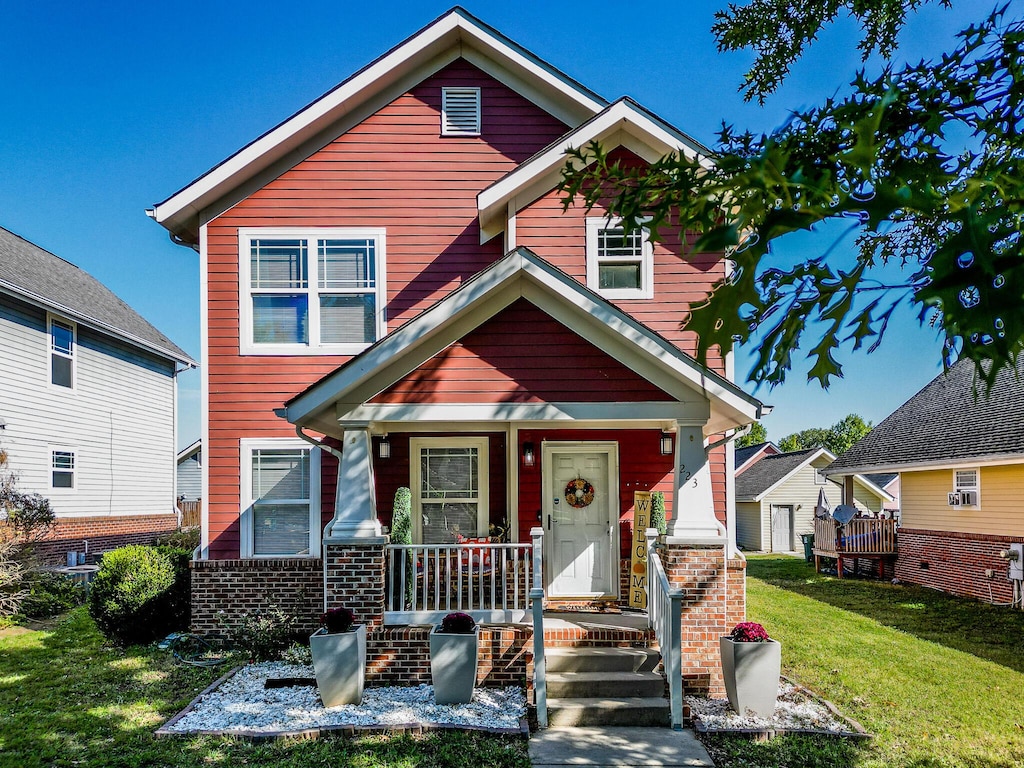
109 108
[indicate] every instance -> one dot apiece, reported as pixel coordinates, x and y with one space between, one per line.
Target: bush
50 594
658 512
141 593
457 623
187 540
264 635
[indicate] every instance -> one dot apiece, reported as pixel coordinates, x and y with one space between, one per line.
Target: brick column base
714 601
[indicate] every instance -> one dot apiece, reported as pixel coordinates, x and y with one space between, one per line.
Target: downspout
323 534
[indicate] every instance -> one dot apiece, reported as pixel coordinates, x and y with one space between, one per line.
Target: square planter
751 672
339 662
453 659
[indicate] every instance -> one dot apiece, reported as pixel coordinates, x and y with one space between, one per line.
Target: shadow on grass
990 632
69 699
789 750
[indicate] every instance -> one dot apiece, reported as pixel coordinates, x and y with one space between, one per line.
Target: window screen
281 506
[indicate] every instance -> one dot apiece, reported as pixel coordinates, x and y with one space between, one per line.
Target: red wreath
579 493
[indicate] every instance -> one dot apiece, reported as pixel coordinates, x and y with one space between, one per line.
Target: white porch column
355 503
693 511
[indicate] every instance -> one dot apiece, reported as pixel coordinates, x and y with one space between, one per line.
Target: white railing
664 615
540 680
491 582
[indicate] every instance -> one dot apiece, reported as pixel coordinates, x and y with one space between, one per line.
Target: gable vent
460 111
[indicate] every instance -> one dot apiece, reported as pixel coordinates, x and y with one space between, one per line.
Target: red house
393 296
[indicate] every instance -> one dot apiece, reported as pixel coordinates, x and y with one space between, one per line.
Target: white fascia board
620 121
993 460
193 449
449 32
870 487
810 458
655 413
83 319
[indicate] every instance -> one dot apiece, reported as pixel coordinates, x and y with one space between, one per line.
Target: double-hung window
311 291
62 353
281 498
619 265
62 468
967 482
449 481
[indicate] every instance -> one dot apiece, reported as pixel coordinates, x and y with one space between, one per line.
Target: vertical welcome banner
638 564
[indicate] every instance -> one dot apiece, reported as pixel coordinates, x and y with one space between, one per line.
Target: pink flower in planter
749 632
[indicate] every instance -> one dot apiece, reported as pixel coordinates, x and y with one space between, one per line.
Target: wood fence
191 513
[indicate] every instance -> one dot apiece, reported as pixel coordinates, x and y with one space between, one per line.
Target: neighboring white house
190 472
87 402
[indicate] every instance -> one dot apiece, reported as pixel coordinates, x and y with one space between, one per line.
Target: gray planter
453 665
339 662
751 672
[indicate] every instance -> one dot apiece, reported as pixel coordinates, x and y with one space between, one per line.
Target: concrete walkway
600 747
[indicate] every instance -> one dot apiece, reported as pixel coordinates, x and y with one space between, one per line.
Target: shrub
141 593
12 591
187 540
658 513
50 594
457 623
401 533
265 634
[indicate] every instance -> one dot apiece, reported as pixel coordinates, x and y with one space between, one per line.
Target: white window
63 340
619 266
311 291
449 486
62 468
280 498
460 111
819 477
967 482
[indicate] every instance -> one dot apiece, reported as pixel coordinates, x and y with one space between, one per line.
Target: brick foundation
955 563
714 601
69 534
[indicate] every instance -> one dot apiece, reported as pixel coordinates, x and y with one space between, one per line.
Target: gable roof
520 274
453 35
945 424
190 451
882 479
46 280
770 472
751 453
623 123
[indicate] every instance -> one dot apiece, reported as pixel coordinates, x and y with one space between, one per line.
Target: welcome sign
638 558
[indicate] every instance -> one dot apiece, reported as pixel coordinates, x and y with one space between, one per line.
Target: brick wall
714 601
955 563
68 534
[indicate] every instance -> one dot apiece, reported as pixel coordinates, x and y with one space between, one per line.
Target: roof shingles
761 476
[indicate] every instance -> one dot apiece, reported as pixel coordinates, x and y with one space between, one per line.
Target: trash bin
808 540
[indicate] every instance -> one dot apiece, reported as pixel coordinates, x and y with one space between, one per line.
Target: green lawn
938 680
68 699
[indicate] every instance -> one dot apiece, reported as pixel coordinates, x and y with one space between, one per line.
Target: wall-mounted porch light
666 443
529 457
384 448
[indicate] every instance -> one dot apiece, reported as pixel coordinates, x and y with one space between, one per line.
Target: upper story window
460 111
311 291
819 476
967 483
62 468
281 498
62 353
619 266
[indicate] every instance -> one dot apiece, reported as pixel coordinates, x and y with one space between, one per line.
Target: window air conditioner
968 497
953 499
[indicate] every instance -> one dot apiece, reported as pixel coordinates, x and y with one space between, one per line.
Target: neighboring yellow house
776 494
961 465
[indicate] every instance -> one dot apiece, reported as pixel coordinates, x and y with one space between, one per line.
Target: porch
860 538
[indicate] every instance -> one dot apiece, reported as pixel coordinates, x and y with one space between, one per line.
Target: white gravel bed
795 711
242 703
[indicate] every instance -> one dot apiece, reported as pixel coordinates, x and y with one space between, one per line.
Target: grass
938 680
69 699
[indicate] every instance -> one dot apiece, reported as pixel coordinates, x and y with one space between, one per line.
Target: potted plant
453 658
751 663
339 657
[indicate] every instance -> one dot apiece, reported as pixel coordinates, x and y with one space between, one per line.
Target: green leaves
878 159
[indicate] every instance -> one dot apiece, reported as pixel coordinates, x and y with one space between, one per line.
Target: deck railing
191 513
866 536
491 582
664 616
540 674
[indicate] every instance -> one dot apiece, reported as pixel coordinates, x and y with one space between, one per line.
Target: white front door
581 535
782 528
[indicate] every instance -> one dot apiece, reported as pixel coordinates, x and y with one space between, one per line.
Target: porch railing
540 674
664 616
857 537
491 582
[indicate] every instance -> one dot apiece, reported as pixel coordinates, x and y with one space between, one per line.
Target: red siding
560 238
521 355
393 170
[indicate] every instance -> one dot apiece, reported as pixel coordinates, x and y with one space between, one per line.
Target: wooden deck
860 538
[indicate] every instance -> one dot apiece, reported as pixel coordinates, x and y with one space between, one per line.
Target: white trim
312 290
657 412
881 493
594 226
619 124
470 100
483 511
754 457
455 33
992 460
975 489
187 453
52 450
52 318
204 390
246 446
